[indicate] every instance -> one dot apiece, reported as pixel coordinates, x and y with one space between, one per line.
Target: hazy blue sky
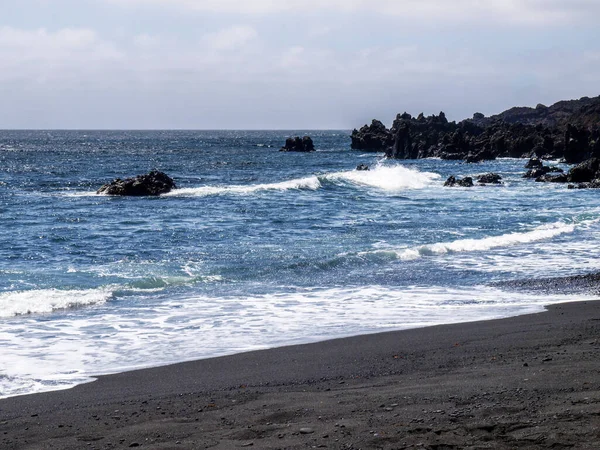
201 64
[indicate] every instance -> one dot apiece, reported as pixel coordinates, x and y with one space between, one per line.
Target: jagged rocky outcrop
582 176
539 171
151 184
585 175
372 138
297 144
569 130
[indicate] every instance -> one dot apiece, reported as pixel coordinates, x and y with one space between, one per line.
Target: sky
287 64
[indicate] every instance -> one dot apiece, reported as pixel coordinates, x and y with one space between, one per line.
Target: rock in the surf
151 184
585 172
534 163
362 167
489 178
586 175
464 182
561 178
297 144
541 171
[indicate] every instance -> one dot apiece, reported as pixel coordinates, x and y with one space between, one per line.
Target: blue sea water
256 249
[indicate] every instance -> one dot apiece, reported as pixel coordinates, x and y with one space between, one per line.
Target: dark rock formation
482 155
585 175
585 172
562 178
362 167
464 182
577 112
372 138
567 129
423 137
151 184
591 185
298 144
534 163
489 178
541 171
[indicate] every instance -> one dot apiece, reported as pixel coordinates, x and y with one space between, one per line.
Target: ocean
257 249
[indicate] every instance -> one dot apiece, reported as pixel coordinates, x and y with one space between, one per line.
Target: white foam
76 194
482 244
387 178
48 300
45 355
308 183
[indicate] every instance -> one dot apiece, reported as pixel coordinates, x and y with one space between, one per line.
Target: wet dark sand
526 382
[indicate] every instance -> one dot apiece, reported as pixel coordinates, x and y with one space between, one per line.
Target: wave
44 301
40 301
472 245
309 183
387 178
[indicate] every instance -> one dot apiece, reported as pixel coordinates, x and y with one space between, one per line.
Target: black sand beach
526 382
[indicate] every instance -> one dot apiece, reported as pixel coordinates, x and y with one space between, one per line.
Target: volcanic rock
372 138
534 163
543 170
562 178
585 172
464 182
568 129
152 184
489 178
298 144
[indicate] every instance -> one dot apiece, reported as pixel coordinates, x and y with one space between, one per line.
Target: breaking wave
487 243
309 183
392 178
387 178
47 300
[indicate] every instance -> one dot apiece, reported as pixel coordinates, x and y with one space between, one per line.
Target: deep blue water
257 248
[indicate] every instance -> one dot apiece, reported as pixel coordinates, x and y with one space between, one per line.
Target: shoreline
446 386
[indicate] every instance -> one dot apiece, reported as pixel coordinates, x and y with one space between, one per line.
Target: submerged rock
591 185
562 178
152 184
298 144
362 167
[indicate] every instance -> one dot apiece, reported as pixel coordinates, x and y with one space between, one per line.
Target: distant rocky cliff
567 129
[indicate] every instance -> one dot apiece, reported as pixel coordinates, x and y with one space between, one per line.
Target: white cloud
146 41
294 58
61 44
230 38
515 11
40 54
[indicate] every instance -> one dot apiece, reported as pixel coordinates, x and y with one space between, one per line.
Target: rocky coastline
567 130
